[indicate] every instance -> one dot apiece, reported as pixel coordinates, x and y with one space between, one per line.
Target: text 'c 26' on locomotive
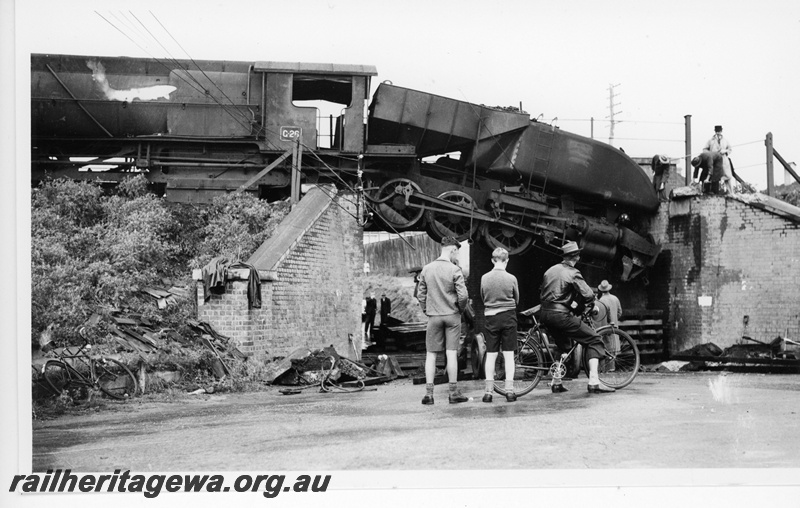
419 161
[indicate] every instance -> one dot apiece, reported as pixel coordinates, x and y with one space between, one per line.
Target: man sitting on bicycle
563 285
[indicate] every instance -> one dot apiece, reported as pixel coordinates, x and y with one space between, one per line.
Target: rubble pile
780 353
327 369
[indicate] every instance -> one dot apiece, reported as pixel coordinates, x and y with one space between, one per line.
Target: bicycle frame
96 372
534 357
74 375
558 365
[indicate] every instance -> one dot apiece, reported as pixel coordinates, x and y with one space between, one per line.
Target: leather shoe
511 397
599 389
559 388
487 397
455 398
428 399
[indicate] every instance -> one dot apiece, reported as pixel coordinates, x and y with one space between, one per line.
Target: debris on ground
324 368
279 367
166 297
135 332
776 355
707 349
388 366
676 366
220 345
201 391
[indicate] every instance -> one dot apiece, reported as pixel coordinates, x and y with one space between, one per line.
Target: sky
731 63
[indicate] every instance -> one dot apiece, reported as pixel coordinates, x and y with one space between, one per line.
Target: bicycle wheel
115 379
56 376
528 368
622 362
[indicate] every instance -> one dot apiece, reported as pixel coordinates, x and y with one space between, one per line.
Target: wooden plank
124 321
641 322
275 369
651 333
637 314
644 348
641 343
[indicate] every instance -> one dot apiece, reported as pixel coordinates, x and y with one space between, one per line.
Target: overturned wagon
497 174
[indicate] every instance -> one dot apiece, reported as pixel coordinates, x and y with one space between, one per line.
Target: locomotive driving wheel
393 207
442 223
508 237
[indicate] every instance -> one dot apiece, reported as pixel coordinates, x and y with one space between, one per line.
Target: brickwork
727 260
228 313
316 299
312 296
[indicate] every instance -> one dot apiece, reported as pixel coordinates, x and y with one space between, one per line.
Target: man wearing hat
563 285
708 163
719 145
660 166
442 295
416 271
610 301
613 311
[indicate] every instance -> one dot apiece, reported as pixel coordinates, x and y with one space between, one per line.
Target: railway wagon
417 161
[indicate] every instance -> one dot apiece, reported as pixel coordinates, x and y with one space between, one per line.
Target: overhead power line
201 90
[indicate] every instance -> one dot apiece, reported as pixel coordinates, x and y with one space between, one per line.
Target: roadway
669 420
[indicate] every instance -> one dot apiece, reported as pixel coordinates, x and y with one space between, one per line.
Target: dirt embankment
400 290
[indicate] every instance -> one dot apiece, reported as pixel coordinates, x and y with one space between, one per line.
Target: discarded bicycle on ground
81 373
533 357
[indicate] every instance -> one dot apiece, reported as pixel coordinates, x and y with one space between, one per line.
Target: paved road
675 420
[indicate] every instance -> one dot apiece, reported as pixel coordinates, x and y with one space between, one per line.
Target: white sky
732 63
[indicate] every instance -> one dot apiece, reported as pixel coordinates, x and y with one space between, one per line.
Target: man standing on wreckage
443 296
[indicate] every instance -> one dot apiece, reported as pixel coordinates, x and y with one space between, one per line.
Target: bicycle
84 371
533 357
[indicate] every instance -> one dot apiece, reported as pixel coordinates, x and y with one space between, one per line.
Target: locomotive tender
419 161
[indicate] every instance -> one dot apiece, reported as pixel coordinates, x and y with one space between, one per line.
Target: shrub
789 193
236 225
93 251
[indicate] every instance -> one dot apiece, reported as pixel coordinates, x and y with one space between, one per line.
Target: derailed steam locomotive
417 161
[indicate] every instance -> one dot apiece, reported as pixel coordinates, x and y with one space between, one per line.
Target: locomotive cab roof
316 68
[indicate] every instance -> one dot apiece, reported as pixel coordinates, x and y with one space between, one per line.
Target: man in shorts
442 295
500 294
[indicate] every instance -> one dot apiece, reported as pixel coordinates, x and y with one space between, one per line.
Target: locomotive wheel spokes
507 237
441 223
394 211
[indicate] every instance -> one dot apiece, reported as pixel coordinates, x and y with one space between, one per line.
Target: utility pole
612 113
688 142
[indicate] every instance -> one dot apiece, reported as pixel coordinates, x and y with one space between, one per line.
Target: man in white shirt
718 144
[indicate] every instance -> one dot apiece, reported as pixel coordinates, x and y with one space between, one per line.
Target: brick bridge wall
312 281
723 259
